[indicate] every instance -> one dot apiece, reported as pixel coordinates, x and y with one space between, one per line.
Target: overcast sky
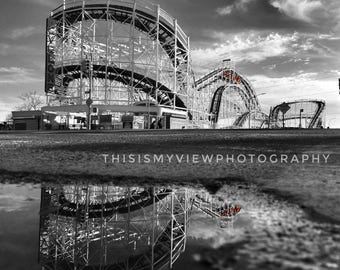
288 49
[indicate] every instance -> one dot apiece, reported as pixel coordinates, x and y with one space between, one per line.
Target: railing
182 35
168 18
142 5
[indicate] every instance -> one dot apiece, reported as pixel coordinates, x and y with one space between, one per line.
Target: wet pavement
49 156
272 234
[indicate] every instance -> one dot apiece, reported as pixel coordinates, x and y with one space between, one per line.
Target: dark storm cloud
199 18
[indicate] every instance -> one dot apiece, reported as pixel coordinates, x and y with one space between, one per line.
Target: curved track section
126 12
299 113
228 80
128 51
216 103
260 117
122 206
230 76
147 85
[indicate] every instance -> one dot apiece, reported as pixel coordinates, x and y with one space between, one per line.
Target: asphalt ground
299 166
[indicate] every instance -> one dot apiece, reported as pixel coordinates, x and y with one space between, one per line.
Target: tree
32 101
8 117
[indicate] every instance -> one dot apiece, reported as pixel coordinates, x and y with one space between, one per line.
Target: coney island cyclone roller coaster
110 59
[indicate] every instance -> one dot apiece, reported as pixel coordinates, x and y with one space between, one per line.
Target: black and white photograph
170 135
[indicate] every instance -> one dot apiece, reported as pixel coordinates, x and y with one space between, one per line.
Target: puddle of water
278 235
84 226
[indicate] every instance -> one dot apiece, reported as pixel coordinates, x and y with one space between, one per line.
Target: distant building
27 120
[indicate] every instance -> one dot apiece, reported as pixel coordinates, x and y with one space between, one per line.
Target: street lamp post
249 108
269 118
300 124
89 101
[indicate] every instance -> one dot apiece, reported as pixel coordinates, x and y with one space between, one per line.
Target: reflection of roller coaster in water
111 227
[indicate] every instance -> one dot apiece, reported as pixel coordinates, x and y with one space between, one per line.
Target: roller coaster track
249 96
241 119
241 85
68 46
320 109
239 122
145 84
146 18
124 12
314 118
122 206
216 103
